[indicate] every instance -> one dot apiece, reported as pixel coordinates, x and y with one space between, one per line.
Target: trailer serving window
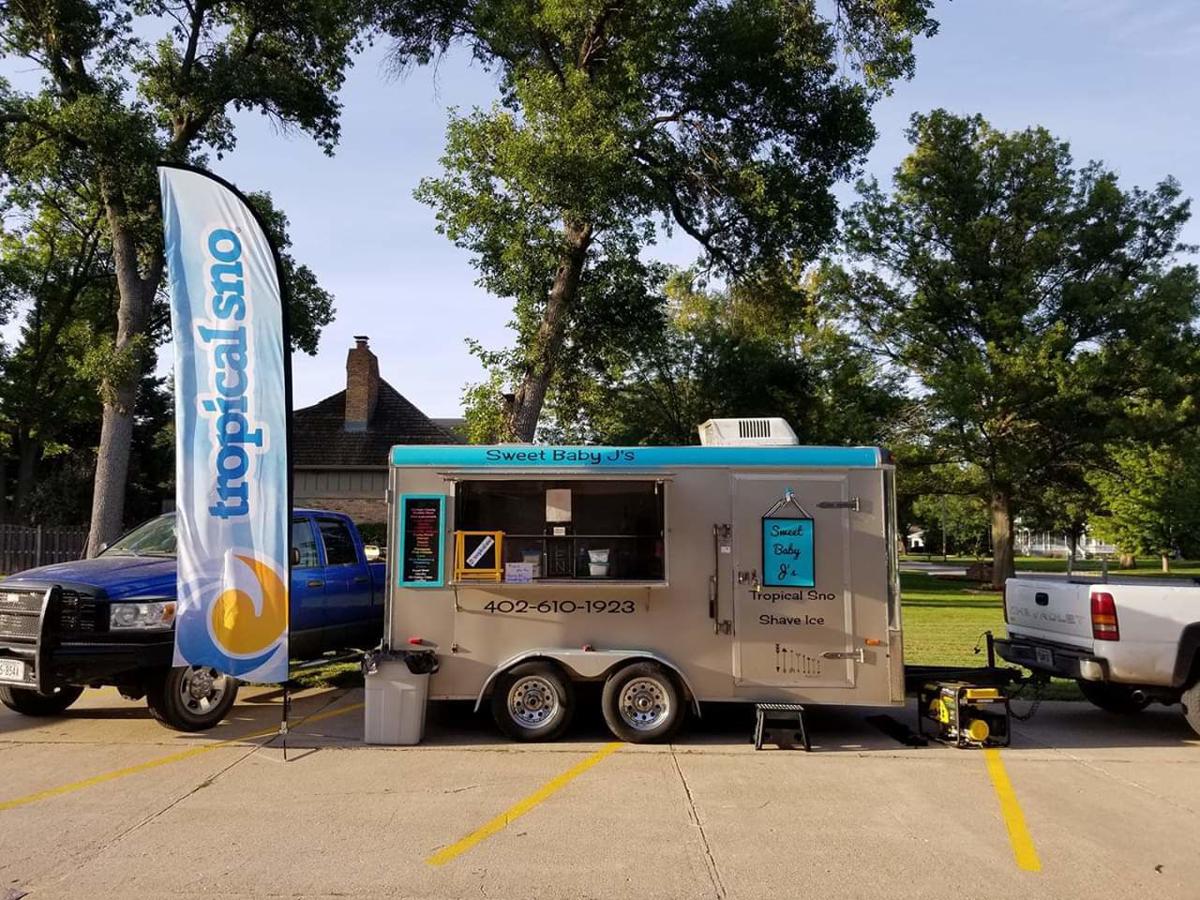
610 530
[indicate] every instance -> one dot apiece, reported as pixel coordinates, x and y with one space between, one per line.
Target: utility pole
943 527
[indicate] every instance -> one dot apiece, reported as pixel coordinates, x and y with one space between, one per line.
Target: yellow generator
965 715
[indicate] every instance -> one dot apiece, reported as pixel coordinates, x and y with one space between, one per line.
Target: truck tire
1191 706
533 702
191 698
1114 698
642 703
31 703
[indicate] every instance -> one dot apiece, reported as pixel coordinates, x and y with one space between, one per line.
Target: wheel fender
587 665
1187 659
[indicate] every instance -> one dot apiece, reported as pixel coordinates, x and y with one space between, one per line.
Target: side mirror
371 552
295 556
103 547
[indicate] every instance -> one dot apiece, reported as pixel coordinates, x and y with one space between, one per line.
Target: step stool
771 718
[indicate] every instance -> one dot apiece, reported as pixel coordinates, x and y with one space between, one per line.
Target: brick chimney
362 385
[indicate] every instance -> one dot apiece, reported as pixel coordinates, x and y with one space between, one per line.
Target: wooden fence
25 546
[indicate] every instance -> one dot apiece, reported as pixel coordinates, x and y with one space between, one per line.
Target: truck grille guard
33 619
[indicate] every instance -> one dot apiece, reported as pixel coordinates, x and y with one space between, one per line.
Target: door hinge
851 504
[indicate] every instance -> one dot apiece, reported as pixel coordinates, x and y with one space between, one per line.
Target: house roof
320 438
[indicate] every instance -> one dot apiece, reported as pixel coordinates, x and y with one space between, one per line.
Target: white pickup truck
1127 644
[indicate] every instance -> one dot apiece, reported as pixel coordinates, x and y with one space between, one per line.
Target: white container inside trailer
672 574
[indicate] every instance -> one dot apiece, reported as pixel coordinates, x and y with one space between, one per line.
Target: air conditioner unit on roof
773 432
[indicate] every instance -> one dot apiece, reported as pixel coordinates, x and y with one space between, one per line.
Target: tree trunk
1002 538
1127 561
1166 563
531 395
27 451
120 396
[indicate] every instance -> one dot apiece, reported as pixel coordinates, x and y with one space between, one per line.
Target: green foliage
1151 498
962 519
113 101
310 306
761 347
729 121
1037 309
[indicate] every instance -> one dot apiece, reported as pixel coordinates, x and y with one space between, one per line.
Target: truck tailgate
1051 609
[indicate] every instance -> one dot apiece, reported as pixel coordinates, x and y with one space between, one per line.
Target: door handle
361 579
856 655
315 583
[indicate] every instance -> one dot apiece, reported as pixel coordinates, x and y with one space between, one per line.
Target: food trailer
747 568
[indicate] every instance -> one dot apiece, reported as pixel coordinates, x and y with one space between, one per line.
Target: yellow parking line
510 815
104 777
1018 835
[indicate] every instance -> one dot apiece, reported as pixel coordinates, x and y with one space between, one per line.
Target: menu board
421 539
787 552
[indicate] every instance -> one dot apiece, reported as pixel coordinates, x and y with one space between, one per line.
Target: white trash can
395 704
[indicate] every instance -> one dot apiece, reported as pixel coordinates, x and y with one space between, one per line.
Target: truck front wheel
1191 706
32 703
1113 698
191 698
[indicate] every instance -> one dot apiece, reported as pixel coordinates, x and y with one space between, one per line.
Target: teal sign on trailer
788 552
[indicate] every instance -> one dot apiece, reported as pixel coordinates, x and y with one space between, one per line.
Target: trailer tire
1191 706
533 702
642 703
32 703
191 698
1113 698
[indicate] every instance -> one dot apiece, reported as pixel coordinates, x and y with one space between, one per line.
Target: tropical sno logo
249 616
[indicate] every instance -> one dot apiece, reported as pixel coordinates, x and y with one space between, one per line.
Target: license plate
12 670
1044 657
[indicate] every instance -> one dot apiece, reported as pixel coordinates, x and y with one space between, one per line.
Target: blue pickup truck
109 620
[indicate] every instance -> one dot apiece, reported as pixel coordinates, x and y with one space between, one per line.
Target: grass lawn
945 620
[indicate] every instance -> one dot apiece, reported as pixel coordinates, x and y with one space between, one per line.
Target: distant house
916 538
340 445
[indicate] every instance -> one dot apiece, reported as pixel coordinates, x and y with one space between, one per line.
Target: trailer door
793 602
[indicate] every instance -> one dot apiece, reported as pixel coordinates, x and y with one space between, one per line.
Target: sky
1115 78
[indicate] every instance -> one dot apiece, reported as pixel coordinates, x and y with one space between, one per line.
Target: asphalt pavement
104 802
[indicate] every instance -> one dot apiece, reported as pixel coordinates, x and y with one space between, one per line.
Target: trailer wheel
191 698
533 702
642 703
31 703
1191 706
1113 698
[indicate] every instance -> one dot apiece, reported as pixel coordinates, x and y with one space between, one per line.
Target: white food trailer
745 569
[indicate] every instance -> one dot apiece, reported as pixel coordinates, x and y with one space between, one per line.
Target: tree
961 521
1035 307
759 347
1151 499
727 120
111 105
55 273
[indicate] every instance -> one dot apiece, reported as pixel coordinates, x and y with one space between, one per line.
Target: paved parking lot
103 802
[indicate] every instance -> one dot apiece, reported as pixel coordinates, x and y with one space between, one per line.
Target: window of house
598 530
